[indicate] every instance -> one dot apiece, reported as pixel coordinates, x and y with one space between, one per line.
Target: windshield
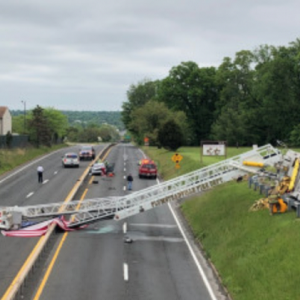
148 166
86 148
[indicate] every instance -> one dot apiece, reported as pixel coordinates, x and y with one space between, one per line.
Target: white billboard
213 150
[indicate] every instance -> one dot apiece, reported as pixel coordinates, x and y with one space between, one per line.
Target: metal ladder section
91 210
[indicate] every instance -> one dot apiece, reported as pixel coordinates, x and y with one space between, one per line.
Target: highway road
21 187
162 262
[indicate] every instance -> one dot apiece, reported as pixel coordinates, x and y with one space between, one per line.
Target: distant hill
96 117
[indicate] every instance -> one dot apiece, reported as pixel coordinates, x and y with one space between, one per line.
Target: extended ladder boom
92 210
183 186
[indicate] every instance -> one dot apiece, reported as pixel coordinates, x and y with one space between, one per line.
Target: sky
83 55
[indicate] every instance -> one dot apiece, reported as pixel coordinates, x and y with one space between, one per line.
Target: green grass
9 159
256 255
191 159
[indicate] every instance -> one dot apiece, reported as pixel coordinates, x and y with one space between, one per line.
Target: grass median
256 254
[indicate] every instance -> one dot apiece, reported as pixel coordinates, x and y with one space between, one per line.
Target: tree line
251 99
47 126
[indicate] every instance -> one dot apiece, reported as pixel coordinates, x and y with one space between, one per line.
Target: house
5 121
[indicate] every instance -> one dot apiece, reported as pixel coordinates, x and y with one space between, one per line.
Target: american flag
39 229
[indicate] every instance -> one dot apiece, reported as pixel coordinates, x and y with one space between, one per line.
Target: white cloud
66 54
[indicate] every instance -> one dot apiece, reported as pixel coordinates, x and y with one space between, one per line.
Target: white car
70 159
98 168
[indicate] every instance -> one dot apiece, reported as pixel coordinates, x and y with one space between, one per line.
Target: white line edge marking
125 269
210 291
30 194
125 227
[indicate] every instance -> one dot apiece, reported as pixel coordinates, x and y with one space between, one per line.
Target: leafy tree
57 123
39 128
137 95
18 124
95 117
237 102
72 134
230 126
295 136
193 91
170 136
108 133
148 119
278 86
89 135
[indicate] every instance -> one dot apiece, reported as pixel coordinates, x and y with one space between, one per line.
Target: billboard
213 150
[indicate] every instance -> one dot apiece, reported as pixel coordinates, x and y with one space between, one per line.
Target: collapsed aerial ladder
92 210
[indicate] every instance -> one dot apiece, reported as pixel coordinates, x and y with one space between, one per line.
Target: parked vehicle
144 161
70 160
98 168
148 169
87 152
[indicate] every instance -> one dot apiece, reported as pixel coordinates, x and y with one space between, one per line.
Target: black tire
140 176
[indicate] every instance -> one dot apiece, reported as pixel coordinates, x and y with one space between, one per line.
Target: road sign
146 141
177 158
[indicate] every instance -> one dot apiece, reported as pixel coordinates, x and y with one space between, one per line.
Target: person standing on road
129 182
40 171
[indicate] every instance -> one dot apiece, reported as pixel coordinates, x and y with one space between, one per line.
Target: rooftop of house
3 109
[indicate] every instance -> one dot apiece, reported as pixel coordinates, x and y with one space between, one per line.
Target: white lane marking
125 156
124 169
143 153
154 225
124 188
30 194
157 239
125 228
45 181
27 166
206 282
124 176
125 270
55 172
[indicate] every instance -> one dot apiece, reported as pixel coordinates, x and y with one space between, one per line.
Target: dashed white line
124 176
55 172
125 227
125 270
124 188
45 181
30 194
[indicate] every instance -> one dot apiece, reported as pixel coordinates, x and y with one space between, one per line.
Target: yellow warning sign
177 158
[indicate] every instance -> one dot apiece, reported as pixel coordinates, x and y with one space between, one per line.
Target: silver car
70 159
98 168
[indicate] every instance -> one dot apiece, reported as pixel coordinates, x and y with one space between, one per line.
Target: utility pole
24 102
